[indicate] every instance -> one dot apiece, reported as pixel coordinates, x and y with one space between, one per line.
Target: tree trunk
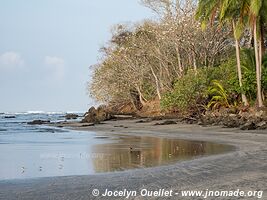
141 97
258 65
244 98
157 83
179 62
195 63
260 57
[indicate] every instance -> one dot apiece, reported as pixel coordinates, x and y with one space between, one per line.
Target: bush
188 92
248 76
193 91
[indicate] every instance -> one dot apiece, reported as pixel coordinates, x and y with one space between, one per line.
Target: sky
48 46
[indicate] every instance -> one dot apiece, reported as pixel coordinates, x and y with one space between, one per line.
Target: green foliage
188 92
248 76
264 73
216 86
219 96
147 59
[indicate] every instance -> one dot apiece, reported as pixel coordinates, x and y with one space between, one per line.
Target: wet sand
244 168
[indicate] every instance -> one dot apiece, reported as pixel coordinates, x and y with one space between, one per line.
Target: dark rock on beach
262 125
71 116
249 120
38 122
96 116
89 124
144 120
249 126
10 117
167 122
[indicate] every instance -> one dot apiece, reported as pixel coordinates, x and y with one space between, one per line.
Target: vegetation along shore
204 62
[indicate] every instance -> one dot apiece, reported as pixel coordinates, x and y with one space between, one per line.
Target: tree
257 17
224 11
142 62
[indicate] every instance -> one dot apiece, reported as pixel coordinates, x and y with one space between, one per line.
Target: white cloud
56 66
11 60
55 61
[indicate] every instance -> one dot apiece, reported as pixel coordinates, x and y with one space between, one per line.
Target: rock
119 126
190 120
89 124
249 126
232 115
9 117
260 113
38 122
231 121
71 116
261 125
97 115
144 121
167 122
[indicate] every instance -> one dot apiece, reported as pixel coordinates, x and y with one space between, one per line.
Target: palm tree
228 11
257 17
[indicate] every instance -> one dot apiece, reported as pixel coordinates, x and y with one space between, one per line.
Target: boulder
231 121
261 125
249 126
38 122
97 115
71 116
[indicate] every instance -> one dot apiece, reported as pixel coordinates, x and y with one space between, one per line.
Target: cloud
11 60
55 61
56 66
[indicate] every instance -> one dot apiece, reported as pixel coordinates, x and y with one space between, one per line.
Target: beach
243 168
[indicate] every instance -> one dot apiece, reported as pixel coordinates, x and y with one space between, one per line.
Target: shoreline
244 168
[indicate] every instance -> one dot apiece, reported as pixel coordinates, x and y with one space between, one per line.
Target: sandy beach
244 168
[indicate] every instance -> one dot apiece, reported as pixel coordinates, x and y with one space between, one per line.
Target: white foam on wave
35 112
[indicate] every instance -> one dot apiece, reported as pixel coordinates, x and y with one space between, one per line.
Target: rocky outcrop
98 115
71 116
249 120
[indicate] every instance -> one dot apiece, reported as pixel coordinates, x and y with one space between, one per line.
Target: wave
42 112
35 113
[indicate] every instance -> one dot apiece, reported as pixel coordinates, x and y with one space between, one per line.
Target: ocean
30 151
36 151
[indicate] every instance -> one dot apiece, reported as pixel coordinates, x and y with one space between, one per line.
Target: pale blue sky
47 46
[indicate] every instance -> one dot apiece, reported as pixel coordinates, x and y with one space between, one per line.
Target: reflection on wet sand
139 152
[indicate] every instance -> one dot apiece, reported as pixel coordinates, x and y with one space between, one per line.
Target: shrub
188 92
219 96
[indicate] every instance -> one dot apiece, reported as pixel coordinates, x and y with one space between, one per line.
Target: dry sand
244 168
